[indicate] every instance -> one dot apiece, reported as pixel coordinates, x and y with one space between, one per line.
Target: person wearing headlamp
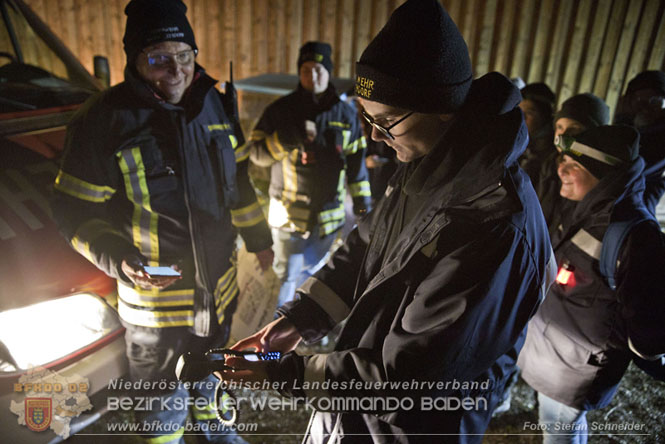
585 333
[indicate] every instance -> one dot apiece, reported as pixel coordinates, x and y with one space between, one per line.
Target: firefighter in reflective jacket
155 173
313 142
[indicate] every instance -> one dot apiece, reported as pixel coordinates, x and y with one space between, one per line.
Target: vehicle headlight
40 333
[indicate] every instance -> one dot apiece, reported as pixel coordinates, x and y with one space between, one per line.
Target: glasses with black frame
385 130
163 59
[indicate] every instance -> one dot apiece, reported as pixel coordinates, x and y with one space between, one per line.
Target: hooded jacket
312 194
167 182
577 347
441 313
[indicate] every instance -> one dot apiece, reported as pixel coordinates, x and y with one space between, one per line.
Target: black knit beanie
647 80
418 61
319 52
619 141
154 21
542 96
587 109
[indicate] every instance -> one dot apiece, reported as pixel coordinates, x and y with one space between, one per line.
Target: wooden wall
572 45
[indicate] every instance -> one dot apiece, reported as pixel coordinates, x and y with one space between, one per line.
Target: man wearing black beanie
643 106
154 174
311 140
437 284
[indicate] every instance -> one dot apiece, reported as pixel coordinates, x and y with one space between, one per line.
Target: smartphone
251 355
161 272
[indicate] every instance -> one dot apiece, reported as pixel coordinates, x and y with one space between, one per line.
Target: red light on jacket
565 273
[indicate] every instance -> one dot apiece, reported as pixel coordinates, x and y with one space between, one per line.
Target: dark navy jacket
448 304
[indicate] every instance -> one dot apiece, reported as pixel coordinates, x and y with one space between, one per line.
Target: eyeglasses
163 59
385 130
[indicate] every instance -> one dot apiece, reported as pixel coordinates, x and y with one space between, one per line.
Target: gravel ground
639 402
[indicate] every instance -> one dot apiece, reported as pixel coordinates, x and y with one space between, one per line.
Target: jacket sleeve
355 150
641 290
247 215
468 309
85 184
273 138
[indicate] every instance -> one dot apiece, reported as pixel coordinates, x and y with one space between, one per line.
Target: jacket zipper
201 322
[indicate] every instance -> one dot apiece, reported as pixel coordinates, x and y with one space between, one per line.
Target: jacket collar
321 102
486 137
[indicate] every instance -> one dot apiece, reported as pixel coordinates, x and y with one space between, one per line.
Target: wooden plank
52 15
198 19
484 54
363 28
609 50
470 25
310 21
264 37
294 30
591 60
454 8
645 29
520 63
228 37
243 38
279 61
213 51
541 44
68 29
576 47
82 9
380 16
562 32
328 25
502 48
345 38
628 31
657 56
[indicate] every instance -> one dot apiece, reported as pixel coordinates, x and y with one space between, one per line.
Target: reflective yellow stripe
340 124
290 190
207 412
242 153
333 214
360 189
234 141
155 298
225 291
358 144
331 227
257 135
219 127
81 189
275 147
144 220
247 216
164 439
88 232
148 318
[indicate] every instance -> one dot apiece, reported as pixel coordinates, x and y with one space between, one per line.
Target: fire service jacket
167 182
441 314
577 347
304 195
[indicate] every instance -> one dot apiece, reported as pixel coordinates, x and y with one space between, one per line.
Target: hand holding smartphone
156 272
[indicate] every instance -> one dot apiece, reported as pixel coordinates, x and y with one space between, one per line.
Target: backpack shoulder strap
613 239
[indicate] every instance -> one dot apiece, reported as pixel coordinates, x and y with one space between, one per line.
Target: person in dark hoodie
436 284
583 337
312 141
537 104
154 173
643 106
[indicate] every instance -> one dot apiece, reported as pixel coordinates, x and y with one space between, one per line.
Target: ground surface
639 402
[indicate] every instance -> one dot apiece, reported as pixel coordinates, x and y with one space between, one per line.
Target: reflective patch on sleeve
326 298
360 189
225 292
88 232
219 127
154 318
247 216
81 189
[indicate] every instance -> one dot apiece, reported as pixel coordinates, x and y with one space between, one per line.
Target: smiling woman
168 67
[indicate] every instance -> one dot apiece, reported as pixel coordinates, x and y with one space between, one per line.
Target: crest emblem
38 413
